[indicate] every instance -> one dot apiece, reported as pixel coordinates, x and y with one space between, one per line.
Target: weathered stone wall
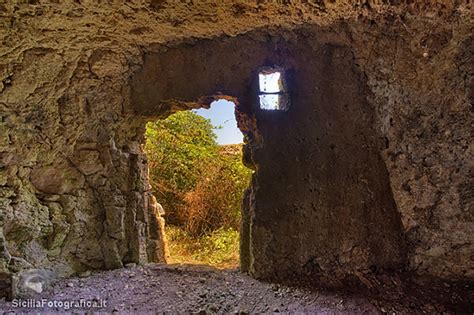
423 95
370 168
322 200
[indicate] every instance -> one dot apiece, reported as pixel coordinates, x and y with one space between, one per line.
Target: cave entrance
193 74
196 174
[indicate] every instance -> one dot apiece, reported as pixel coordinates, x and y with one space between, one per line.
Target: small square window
269 101
272 93
269 83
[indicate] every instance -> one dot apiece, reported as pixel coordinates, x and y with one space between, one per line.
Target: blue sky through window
269 82
221 113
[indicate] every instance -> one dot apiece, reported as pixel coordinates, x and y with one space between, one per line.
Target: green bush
199 183
215 201
176 148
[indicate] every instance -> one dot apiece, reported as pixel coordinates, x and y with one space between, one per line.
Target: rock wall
424 103
321 201
370 168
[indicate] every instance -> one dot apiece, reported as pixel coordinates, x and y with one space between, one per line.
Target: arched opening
319 200
179 78
197 175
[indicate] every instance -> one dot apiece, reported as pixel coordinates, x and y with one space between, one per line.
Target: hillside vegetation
200 185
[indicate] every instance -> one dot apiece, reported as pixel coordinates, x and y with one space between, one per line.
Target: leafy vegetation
200 185
215 200
219 248
177 147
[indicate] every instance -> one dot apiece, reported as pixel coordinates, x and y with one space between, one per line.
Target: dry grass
219 248
214 203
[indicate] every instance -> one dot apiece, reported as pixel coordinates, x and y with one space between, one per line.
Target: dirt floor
205 290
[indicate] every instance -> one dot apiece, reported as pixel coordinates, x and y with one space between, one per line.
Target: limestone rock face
370 168
55 179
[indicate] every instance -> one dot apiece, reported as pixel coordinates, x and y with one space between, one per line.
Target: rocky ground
205 290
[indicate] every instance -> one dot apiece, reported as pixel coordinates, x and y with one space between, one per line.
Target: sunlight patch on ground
219 249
